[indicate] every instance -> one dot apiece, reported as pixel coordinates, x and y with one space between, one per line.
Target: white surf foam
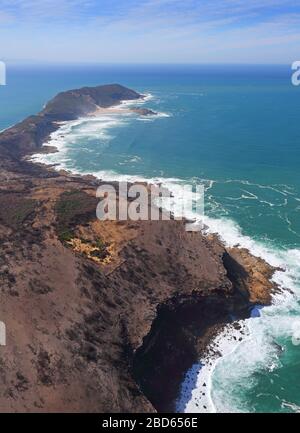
97 127
195 396
71 132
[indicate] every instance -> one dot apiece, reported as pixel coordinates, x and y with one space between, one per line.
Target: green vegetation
100 244
66 235
72 209
16 210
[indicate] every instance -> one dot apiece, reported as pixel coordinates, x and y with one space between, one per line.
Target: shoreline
222 345
50 169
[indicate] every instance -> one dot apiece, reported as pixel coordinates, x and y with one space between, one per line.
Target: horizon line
92 63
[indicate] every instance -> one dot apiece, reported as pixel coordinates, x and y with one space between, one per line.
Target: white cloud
152 30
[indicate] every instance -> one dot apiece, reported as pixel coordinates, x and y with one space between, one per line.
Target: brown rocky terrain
103 316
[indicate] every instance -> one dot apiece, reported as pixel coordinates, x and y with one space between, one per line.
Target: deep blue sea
234 129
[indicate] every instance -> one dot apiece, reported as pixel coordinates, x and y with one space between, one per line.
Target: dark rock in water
143 111
255 311
278 347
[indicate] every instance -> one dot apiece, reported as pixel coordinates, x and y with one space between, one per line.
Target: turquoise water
236 130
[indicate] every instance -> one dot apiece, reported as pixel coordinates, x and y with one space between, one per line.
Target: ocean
234 129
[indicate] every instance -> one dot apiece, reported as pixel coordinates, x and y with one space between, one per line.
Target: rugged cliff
102 316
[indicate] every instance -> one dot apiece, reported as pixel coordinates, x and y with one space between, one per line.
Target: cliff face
104 316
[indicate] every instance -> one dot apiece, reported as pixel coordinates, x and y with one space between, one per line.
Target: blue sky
159 31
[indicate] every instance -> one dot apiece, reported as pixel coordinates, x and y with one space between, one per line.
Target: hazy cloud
150 30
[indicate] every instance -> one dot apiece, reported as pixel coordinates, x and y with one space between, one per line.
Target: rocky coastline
103 316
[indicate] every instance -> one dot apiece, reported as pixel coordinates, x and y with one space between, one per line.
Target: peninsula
103 316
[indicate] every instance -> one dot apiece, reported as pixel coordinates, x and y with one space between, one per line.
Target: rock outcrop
143 111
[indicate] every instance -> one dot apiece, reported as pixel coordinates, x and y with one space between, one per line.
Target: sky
150 31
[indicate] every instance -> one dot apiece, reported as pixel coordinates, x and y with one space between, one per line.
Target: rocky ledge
103 316
143 111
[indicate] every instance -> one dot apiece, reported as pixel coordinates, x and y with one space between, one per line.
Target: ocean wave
153 117
134 102
72 133
195 395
